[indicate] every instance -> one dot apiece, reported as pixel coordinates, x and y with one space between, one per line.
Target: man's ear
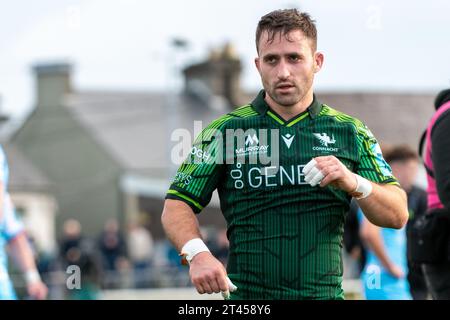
257 64
318 61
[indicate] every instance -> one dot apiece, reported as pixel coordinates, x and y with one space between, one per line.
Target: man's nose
283 71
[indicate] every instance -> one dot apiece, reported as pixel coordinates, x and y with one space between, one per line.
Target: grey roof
392 117
24 176
135 128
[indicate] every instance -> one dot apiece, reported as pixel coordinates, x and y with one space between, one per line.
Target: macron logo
288 138
325 139
251 140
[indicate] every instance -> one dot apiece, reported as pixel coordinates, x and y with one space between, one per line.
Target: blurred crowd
409 263
115 259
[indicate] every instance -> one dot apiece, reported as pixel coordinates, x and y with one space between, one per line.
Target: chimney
219 75
53 81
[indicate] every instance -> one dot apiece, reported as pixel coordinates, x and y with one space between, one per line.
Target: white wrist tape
363 188
192 248
32 276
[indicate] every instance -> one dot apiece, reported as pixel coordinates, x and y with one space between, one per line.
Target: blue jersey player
12 235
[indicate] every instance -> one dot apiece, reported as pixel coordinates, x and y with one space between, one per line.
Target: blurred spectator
352 240
112 245
70 242
435 242
90 269
140 251
76 250
385 274
404 162
222 246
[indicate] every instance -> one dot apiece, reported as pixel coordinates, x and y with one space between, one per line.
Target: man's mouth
284 86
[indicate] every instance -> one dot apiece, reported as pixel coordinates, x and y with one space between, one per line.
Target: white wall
39 218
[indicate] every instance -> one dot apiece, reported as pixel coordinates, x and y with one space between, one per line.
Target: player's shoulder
243 112
343 118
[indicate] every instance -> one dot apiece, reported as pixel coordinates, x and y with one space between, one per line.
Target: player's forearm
371 236
22 253
24 258
179 223
386 206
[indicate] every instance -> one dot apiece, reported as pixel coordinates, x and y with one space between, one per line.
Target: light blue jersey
4 176
4 169
10 227
378 283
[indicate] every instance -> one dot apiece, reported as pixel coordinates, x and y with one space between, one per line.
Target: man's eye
294 58
271 60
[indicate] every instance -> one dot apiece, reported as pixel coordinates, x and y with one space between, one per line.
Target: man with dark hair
437 163
285 216
404 162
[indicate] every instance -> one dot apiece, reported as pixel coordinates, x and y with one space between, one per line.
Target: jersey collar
261 106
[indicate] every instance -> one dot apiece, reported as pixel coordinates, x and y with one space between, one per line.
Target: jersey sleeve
198 176
12 226
372 165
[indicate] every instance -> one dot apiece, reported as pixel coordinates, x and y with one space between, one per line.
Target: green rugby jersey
285 236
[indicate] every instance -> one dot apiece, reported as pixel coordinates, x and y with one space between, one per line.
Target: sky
369 45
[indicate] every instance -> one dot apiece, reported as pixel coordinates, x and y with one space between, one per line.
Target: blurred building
109 153
393 117
31 193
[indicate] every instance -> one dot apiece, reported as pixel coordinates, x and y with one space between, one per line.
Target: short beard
288 100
